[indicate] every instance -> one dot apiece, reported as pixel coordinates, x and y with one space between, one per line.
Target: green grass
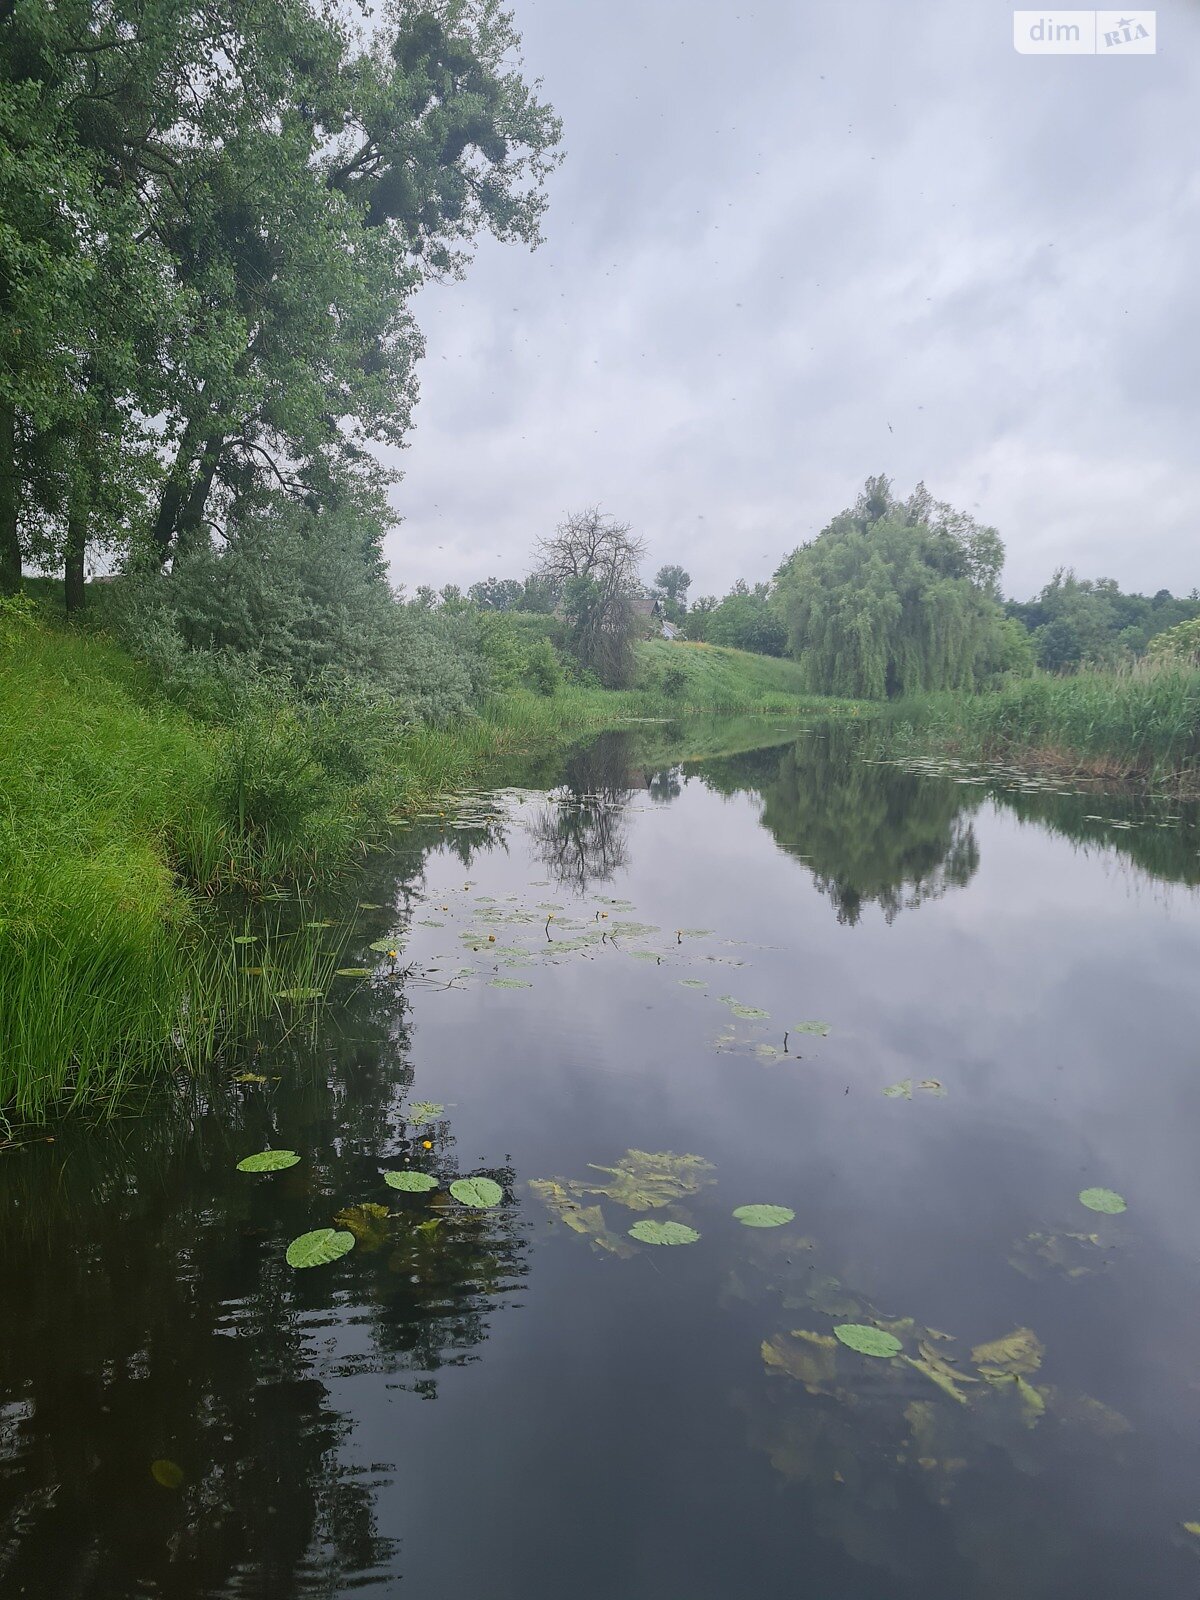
121 813
1142 724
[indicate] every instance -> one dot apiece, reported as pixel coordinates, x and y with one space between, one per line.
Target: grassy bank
1140 726
123 812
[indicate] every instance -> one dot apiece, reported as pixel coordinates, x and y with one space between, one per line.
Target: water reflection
158 1322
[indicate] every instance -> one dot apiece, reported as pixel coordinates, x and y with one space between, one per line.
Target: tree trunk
10 543
78 517
191 517
176 487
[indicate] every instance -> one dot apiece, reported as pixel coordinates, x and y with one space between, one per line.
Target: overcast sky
793 244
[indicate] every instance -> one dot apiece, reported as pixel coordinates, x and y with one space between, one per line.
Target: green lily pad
866 1340
268 1160
410 1182
509 983
246 938
694 983
424 1110
319 1248
899 1091
299 994
651 1232
383 946
1106 1200
480 1193
353 972
764 1216
820 1028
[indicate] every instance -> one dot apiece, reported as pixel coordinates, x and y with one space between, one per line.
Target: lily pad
899 1091
383 946
509 983
410 1182
694 983
353 972
480 1193
866 1340
424 1110
759 1216
820 1028
268 1161
246 938
319 1248
299 994
167 1474
1106 1200
650 1232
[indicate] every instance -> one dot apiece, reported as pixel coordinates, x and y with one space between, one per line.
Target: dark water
491 1403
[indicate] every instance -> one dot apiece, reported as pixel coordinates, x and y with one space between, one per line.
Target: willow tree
895 597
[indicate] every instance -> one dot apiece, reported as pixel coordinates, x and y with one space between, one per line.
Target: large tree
213 216
591 563
895 597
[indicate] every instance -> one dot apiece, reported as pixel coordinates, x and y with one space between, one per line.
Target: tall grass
120 813
1142 722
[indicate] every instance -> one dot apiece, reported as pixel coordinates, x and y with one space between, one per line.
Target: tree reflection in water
158 1321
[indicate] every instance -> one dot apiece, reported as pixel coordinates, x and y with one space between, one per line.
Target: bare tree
591 562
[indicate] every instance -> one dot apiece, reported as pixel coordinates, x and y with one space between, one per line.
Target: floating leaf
866 1340
410 1182
268 1161
645 1180
1019 1351
1105 1200
938 1371
932 1086
424 1110
633 930
319 1248
509 983
353 972
1192 1528
739 1010
1074 1255
480 1193
366 1223
694 983
757 1216
167 1474
246 938
587 1220
383 946
252 1077
299 994
820 1028
810 1358
901 1090
650 1232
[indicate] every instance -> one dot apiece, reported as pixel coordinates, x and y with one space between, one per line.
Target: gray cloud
780 229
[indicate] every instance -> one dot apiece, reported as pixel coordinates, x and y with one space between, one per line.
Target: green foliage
1178 645
410 1182
1078 622
747 619
1105 1200
1141 722
895 597
764 1216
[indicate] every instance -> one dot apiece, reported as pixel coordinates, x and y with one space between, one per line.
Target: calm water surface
524 1402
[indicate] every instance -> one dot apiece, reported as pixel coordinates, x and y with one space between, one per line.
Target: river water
919 1006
